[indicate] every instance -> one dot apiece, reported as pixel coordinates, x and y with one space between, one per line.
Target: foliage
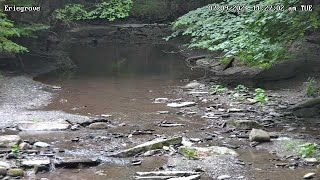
311 87
110 10
260 96
241 89
15 149
188 153
257 38
307 150
217 89
9 30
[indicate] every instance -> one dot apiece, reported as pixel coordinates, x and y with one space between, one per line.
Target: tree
9 29
257 32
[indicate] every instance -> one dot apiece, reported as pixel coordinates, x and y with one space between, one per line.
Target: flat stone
311 160
309 176
99 125
4 165
90 121
224 177
259 135
202 152
75 163
35 162
43 126
181 104
193 177
41 144
16 172
9 140
192 85
151 145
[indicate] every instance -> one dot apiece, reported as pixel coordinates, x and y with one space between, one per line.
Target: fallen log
151 145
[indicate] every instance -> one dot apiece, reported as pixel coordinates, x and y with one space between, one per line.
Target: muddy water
122 81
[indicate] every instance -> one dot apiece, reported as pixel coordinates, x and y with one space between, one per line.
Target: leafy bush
257 38
241 89
260 96
307 150
217 89
110 10
311 87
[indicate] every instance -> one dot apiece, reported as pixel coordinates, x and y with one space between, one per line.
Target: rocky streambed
194 130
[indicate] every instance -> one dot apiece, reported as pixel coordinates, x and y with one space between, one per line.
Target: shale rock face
307 109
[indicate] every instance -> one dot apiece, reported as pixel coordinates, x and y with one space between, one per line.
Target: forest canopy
256 37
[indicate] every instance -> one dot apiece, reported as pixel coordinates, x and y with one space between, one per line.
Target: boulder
306 112
99 125
43 126
151 145
307 104
9 140
259 135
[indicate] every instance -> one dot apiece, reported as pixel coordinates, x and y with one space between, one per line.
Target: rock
243 124
160 100
24 146
306 112
99 125
193 84
193 177
41 144
90 121
151 145
35 162
75 163
259 135
202 152
4 165
163 112
9 140
309 176
167 173
181 104
15 172
235 110
43 126
224 177
311 160
3 171
106 115
307 104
